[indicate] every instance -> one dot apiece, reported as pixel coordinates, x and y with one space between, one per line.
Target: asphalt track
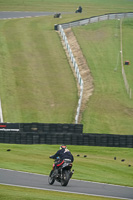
37 181
24 14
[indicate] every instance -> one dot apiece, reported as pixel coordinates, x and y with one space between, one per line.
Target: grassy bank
109 109
36 81
99 165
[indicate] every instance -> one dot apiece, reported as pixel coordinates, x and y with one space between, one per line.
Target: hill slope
109 110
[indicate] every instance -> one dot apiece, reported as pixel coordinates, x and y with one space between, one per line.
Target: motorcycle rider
62 154
79 10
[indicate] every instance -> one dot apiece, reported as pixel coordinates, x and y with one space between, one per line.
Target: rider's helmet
63 147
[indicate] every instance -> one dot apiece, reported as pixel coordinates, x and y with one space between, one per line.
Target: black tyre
65 178
51 179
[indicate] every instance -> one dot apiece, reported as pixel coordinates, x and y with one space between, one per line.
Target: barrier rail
1 115
75 65
67 138
94 19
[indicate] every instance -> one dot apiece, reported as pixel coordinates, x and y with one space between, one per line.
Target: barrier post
1 115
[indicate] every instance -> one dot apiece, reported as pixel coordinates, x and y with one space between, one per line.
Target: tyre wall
69 134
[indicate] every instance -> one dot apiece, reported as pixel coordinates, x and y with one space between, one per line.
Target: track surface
23 14
30 180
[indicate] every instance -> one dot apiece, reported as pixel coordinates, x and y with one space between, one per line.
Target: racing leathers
62 154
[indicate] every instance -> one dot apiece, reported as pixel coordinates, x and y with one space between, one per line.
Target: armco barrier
104 140
108 16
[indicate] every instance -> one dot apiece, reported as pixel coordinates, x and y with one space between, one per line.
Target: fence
1 115
75 65
93 19
67 138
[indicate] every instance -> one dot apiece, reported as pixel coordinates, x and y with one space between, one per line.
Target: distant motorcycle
62 174
79 10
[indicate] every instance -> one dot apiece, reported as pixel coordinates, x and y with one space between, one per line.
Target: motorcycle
61 174
79 10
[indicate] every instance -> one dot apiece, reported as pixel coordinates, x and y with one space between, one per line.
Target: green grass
127 30
89 6
17 193
109 109
41 87
98 166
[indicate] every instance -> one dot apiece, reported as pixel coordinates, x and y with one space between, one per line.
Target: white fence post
79 79
1 115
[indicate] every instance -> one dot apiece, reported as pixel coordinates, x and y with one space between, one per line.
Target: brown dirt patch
83 69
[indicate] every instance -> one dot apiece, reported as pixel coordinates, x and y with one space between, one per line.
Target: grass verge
98 166
17 193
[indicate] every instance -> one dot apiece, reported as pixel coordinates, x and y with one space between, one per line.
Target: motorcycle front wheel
51 179
65 178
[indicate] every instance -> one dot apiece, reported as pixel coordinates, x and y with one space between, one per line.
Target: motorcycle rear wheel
51 180
65 178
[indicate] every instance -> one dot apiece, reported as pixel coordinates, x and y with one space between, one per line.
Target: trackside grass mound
36 81
99 164
109 109
15 193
